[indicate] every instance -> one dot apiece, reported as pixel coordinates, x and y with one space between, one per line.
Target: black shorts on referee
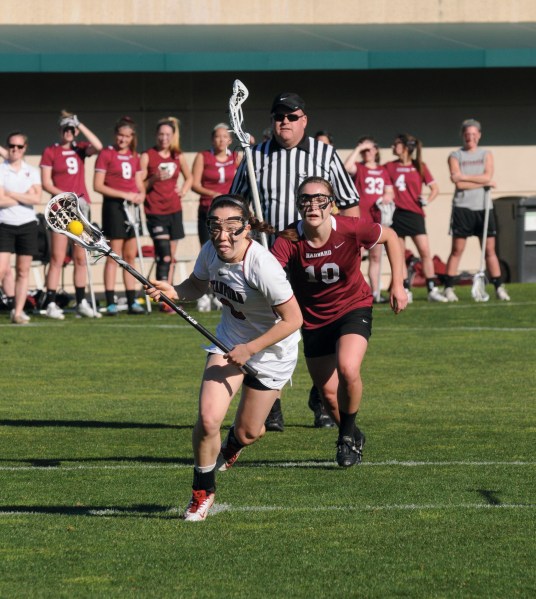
465 223
323 340
407 223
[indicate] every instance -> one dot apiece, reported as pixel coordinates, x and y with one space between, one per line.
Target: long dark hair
126 121
413 144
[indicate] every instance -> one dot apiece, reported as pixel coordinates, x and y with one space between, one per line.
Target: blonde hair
174 123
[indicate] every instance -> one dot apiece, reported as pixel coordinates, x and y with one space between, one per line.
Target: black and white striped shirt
279 172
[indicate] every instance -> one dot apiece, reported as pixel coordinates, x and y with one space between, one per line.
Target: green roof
199 48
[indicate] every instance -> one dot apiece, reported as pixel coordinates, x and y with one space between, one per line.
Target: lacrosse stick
63 215
96 313
133 214
478 291
236 116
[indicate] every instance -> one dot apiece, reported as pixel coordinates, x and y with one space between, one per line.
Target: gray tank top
471 163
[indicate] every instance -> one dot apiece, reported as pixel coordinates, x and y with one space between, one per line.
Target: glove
423 202
70 121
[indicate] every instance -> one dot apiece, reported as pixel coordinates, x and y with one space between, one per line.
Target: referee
281 164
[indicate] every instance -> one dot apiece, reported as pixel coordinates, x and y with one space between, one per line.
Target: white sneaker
199 505
203 303
85 310
501 294
215 303
436 296
448 292
22 318
53 311
410 296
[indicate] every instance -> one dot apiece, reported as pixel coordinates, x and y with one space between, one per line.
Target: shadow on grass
58 462
93 424
108 511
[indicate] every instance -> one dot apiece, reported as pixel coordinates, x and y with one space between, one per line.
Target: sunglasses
292 118
13 146
69 128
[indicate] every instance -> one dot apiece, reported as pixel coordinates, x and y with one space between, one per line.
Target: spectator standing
213 172
280 165
118 177
375 188
471 171
62 170
162 166
20 191
408 176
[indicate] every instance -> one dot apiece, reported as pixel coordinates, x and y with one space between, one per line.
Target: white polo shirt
20 182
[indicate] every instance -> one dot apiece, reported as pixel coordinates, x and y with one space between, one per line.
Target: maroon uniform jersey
120 169
327 280
217 176
163 197
67 166
407 182
370 183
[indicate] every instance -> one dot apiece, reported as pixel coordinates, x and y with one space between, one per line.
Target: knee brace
162 250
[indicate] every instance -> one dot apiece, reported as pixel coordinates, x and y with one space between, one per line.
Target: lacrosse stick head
236 115
387 212
478 291
60 214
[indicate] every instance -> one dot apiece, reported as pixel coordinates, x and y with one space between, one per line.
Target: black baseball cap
287 101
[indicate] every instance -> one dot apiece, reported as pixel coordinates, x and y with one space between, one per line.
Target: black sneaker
274 422
322 418
350 451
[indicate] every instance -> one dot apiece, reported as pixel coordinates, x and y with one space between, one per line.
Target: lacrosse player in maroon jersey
162 167
322 256
408 176
374 185
118 177
213 172
62 169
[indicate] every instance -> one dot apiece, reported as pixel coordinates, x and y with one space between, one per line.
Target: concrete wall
511 174
223 12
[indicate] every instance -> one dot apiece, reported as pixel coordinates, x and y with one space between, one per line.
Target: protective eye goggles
292 118
234 225
315 200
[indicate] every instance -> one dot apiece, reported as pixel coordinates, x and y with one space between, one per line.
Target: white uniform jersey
248 291
19 182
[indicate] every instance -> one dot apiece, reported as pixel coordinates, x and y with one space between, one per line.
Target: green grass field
95 465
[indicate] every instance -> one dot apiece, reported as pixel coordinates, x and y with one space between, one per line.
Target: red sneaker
199 505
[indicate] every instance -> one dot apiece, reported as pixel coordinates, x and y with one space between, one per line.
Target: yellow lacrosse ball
75 227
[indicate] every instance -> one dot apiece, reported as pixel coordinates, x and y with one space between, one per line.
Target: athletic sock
80 294
204 478
131 297
110 297
430 284
347 425
406 284
496 282
10 302
50 297
232 442
449 281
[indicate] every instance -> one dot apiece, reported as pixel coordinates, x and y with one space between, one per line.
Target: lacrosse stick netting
236 117
63 209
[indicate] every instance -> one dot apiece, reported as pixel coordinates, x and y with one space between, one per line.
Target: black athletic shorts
114 220
19 239
165 224
408 224
323 341
466 223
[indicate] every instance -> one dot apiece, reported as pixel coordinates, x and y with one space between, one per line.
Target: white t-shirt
248 290
20 182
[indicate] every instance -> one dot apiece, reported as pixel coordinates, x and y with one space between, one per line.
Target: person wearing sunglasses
322 256
63 169
260 320
280 165
20 191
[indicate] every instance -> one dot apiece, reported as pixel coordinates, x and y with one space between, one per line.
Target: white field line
310 464
220 508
